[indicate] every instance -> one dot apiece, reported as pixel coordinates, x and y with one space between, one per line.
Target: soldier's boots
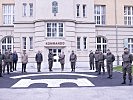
110 76
130 82
124 82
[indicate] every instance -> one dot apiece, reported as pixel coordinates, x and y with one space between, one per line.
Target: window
84 10
55 29
8 14
128 15
78 43
7 44
24 43
24 9
130 44
85 43
101 44
31 42
78 10
31 9
99 13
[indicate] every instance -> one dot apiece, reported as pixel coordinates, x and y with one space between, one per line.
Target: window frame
55 29
8 14
100 14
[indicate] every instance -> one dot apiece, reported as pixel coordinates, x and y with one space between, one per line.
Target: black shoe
123 82
108 77
1 76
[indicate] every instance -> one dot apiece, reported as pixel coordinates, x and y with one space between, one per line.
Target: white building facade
56 25
59 25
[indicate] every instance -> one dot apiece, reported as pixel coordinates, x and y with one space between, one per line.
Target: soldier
39 59
50 60
127 61
1 58
91 56
11 61
96 60
101 58
62 60
110 58
6 61
73 59
24 59
15 60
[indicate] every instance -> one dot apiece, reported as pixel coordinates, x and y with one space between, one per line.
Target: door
56 52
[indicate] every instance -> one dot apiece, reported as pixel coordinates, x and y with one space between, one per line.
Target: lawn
119 68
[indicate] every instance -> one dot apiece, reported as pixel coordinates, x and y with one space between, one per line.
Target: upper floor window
99 13
128 15
55 29
31 9
101 44
24 9
8 14
78 10
84 10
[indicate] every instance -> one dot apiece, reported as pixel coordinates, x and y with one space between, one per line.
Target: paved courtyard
80 85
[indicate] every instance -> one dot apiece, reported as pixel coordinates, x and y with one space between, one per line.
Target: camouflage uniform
91 56
110 59
127 61
73 59
50 60
96 60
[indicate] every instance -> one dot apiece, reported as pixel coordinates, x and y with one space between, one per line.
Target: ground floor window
130 44
7 44
101 44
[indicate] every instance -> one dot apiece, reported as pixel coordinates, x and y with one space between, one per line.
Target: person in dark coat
1 58
101 58
73 59
96 60
39 59
6 61
91 56
110 58
62 60
50 60
126 66
15 60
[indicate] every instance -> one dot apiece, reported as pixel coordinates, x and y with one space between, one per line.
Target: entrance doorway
56 52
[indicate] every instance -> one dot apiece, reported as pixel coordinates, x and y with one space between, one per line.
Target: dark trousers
0 70
129 71
14 65
110 68
38 66
62 67
73 66
50 65
23 67
96 65
6 64
91 65
101 65
11 68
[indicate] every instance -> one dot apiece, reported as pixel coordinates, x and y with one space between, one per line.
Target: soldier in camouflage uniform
101 58
96 60
110 58
91 56
127 61
50 60
73 59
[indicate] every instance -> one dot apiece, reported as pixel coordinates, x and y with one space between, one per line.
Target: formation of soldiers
99 58
9 60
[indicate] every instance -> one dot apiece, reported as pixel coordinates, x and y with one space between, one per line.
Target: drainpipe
116 29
